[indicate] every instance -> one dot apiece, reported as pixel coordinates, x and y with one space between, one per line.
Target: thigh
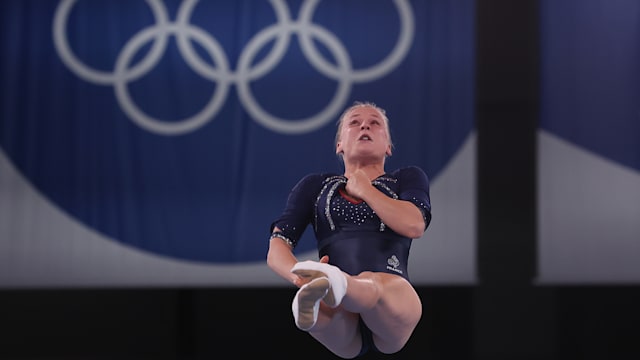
394 318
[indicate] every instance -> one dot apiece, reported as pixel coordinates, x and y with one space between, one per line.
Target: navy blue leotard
351 233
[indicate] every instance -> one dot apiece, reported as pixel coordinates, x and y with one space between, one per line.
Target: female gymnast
357 297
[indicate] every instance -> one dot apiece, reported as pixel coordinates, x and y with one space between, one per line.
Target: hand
357 184
305 277
299 281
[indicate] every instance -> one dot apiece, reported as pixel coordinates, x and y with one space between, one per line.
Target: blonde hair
359 104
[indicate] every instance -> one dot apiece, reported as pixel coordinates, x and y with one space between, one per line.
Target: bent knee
390 347
393 336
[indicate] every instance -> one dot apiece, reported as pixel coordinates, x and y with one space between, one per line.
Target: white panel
588 217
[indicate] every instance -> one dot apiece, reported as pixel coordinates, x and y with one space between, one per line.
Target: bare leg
387 303
393 318
338 330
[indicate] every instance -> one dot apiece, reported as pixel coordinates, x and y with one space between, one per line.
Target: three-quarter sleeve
298 210
414 187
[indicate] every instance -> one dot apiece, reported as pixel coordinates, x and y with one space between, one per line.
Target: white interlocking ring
282 32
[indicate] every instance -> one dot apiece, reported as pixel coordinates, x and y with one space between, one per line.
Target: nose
364 126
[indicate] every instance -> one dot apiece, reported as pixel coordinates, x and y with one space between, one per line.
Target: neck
373 171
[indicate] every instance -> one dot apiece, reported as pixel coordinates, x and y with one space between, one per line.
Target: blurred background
146 147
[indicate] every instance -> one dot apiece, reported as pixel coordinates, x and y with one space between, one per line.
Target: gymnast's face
364 133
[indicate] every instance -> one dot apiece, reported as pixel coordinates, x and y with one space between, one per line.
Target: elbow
416 230
411 229
415 234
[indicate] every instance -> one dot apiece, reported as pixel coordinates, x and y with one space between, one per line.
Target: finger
299 282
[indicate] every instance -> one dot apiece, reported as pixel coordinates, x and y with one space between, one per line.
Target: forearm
280 259
400 215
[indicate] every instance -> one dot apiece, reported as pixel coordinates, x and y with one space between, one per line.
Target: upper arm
414 187
298 210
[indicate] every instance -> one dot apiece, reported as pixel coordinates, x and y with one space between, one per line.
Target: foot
337 279
307 302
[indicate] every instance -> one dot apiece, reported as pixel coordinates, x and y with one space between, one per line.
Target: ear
388 150
339 148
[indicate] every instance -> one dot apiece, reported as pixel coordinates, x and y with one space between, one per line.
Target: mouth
365 137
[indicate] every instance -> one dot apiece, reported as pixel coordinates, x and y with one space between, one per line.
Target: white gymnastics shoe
307 302
337 279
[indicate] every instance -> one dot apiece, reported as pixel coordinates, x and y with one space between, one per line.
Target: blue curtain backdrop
589 142
158 139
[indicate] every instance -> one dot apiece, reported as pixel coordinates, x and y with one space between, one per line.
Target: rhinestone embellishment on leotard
356 213
330 183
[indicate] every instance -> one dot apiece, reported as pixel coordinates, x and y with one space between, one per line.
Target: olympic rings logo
184 32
